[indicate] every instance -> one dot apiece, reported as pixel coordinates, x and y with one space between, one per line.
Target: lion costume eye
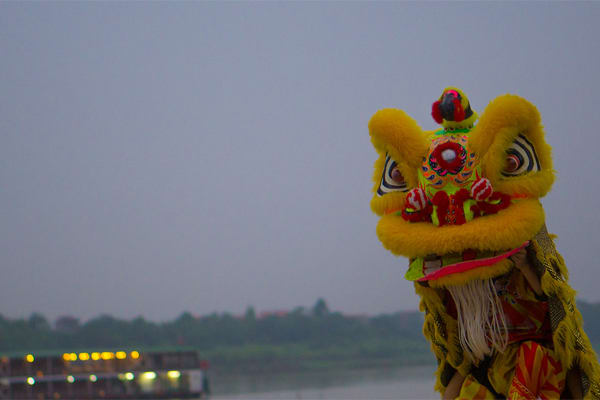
392 179
521 158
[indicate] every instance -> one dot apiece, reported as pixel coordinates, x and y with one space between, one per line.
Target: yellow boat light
149 375
174 374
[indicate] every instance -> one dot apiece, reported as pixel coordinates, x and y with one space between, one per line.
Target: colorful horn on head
452 110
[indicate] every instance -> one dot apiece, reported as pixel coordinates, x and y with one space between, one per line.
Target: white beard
481 322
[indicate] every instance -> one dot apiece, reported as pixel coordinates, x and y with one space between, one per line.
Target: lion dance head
458 202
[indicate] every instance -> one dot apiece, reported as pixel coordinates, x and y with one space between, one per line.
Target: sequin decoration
441 327
449 161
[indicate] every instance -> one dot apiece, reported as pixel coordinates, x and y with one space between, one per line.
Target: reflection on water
379 383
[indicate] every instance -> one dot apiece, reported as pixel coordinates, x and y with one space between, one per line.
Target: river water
377 383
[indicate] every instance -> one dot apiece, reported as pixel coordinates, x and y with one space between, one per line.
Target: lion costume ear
401 145
509 139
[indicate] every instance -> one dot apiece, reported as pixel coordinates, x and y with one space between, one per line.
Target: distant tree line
316 327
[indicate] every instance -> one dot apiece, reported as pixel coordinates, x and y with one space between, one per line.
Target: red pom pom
417 199
436 113
481 189
486 208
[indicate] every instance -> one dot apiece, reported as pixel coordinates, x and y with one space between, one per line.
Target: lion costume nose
447 155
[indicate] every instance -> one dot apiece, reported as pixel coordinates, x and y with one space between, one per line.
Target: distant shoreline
298 340
297 358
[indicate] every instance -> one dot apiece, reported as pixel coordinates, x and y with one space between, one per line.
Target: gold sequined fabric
571 344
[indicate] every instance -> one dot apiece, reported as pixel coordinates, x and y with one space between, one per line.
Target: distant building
273 313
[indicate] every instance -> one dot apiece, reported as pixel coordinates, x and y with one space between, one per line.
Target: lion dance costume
461 203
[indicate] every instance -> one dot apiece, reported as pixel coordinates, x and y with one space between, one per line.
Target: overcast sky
170 156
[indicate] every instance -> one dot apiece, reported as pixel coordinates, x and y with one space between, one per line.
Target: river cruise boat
115 374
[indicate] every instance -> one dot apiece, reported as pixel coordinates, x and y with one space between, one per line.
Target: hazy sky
169 156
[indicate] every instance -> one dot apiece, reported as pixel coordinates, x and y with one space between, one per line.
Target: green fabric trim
415 270
445 132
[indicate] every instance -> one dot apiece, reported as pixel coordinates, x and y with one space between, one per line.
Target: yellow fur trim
502 369
391 201
441 331
503 119
394 131
500 268
505 230
535 184
571 344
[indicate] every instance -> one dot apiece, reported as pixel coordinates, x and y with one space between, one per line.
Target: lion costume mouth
434 267
505 230
456 254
